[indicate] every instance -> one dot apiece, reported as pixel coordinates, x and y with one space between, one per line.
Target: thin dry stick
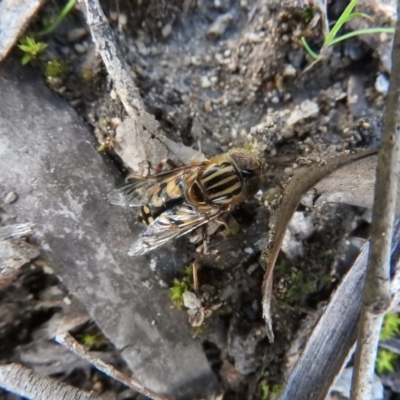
67 340
376 294
22 381
116 66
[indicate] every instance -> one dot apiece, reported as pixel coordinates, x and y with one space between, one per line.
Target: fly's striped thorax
219 184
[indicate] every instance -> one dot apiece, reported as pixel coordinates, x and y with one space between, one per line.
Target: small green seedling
269 391
31 49
390 326
93 341
385 361
331 37
176 292
188 271
56 69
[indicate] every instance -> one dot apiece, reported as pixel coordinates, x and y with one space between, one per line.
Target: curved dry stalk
377 285
116 66
303 180
67 340
20 380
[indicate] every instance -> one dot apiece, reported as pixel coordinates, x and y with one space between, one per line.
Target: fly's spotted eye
248 173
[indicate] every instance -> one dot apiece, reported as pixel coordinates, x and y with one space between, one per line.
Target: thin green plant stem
63 13
339 23
360 15
361 32
312 53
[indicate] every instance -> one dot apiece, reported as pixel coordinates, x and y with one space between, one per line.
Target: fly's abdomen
217 185
165 197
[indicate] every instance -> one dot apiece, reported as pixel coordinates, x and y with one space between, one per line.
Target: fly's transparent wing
134 193
138 189
171 224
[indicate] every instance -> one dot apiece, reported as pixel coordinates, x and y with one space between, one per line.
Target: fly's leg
196 264
160 166
230 224
205 240
195 268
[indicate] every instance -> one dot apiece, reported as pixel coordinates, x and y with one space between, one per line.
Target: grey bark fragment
86 240
14 253
352 184
141 144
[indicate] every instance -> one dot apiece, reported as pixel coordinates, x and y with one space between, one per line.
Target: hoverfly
175 202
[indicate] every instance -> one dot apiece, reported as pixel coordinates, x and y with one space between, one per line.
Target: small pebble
98 387
289 171
166 30
10 197
122 21
227 292
275 99
382 84
115 122
67 300
248 250
287 133
76 34
113 16
48 270
289 70
217 4
75 103
252 268
205 82
208 106
219 26
306 109
194 60
190 300
113 94
80 48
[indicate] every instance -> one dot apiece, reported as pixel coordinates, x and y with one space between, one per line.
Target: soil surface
221 74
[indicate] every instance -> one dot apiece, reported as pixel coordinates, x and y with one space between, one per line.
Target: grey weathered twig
67 340
24 382
377 284
116 66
